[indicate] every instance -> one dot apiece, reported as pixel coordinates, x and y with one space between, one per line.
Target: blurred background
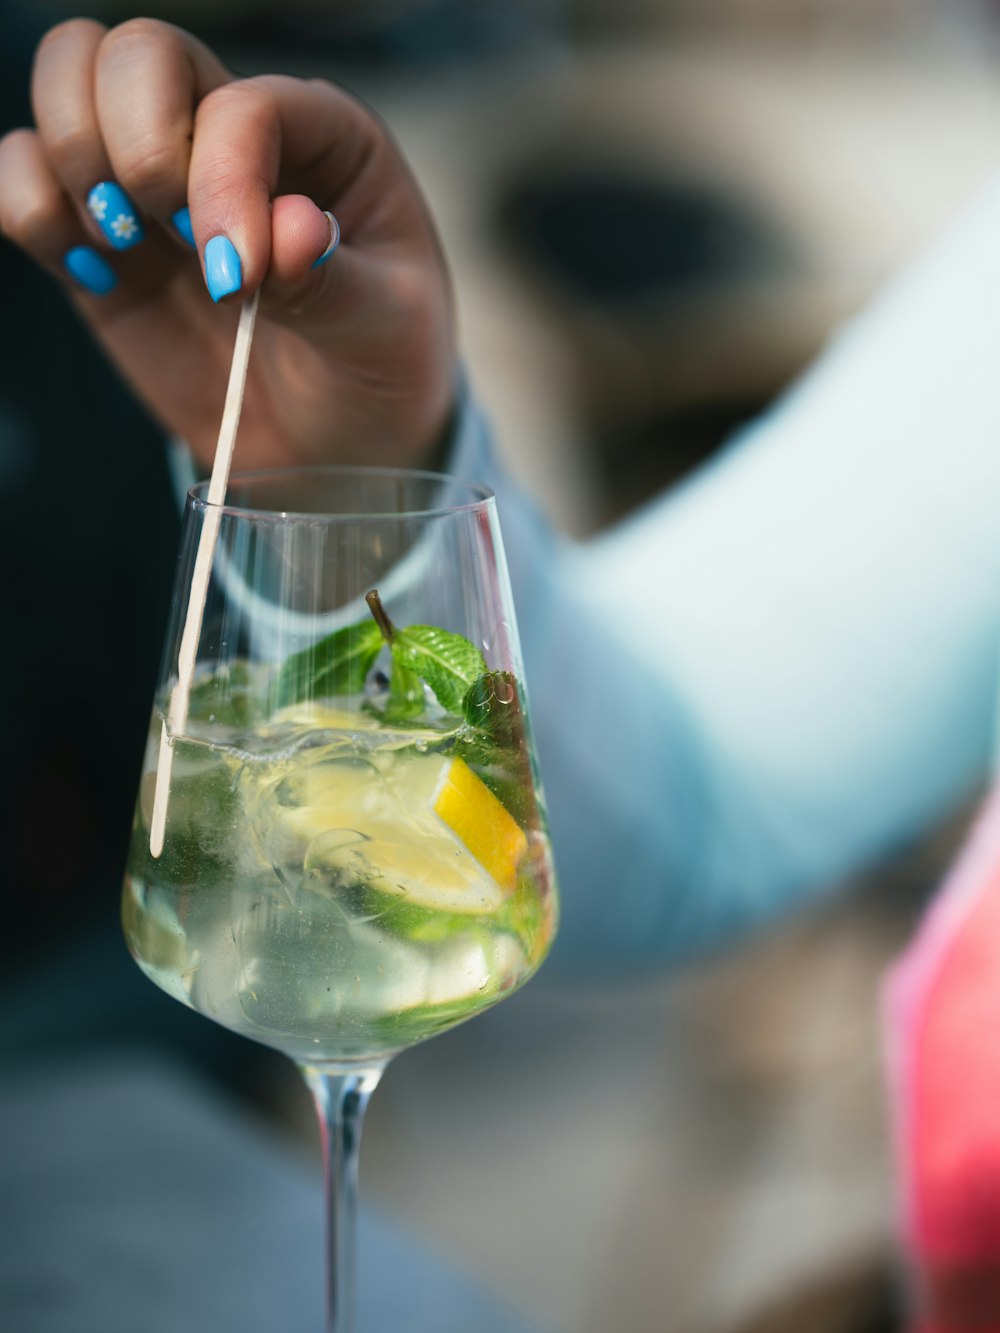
657 212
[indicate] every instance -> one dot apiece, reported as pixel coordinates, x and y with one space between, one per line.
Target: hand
353 361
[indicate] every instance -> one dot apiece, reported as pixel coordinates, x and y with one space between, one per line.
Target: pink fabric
942 1012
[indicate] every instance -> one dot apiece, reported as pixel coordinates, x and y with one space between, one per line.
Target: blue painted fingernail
182 221
90 269
334 241
116 215
223 270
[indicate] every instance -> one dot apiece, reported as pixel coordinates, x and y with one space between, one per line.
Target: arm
785 669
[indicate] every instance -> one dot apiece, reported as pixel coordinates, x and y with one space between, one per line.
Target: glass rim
482 496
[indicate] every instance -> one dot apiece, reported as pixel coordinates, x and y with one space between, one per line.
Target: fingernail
90 270
182 221
116 215
223 270
334 241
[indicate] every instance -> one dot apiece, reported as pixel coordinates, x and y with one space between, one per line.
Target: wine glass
353 852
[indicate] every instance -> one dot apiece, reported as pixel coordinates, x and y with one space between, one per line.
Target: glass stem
341 1095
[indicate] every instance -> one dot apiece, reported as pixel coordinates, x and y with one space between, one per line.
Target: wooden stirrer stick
174 722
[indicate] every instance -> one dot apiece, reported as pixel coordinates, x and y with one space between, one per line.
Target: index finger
257 137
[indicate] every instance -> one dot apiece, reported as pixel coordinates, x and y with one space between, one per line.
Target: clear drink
337 888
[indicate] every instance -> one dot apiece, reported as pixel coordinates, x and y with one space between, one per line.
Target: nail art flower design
124 227
115 214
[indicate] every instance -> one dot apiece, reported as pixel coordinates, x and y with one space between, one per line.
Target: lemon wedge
421 827
483 823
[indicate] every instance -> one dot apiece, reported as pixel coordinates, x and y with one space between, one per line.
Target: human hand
353 361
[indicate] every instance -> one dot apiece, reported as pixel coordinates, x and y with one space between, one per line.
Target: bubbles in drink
337 890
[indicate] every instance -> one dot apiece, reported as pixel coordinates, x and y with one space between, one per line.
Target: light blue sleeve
786 668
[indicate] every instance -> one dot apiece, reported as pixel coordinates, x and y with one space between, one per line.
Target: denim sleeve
785 669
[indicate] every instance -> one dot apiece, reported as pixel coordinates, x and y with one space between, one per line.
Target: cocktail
347 852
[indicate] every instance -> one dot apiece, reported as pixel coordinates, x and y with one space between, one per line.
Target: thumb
339 295
304 239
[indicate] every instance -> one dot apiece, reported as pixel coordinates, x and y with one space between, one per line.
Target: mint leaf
492 704
448 662
227 698
496 744
337 664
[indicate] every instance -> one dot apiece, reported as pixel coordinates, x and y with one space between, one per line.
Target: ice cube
314 809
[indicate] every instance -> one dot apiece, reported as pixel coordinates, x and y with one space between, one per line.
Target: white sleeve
785 668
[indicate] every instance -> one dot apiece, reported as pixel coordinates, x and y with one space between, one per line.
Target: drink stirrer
176 717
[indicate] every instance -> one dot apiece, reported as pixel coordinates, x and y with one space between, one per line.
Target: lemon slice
419 827
483 823
314 713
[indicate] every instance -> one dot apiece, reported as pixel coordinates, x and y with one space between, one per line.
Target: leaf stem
380 616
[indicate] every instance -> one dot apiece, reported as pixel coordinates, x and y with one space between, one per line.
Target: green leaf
496 744
337 664
227 698
493 704
448 662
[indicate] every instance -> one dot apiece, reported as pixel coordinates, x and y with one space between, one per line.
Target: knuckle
68 32
27 222
234 113
247 97
12 140
120 42
26 216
